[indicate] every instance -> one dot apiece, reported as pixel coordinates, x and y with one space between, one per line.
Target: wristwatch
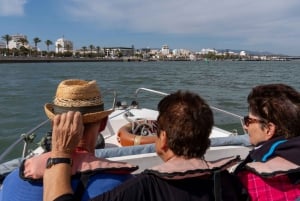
54 161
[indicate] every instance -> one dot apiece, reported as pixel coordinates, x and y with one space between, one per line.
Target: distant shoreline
55 60
86 59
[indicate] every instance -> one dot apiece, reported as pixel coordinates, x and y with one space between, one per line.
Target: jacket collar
180 168
274 166
279 146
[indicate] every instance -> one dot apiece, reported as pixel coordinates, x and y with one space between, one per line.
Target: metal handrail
23 137
212 107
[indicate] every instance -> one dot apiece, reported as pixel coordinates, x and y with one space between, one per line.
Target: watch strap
54 161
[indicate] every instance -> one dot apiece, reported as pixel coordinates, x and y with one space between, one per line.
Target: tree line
26 50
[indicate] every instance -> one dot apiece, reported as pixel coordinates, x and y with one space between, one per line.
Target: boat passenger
271 171
91 176
185 122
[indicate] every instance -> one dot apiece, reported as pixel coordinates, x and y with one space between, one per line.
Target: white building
208 50
62 45
243 54
165 50
2 45
16 43
181 52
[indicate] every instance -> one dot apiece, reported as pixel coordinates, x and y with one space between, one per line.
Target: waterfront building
2 45
165 50
62 45
15 41
154 51
243 54
207 50
181 52
118 51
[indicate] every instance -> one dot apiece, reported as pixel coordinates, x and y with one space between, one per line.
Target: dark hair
279 104
187 121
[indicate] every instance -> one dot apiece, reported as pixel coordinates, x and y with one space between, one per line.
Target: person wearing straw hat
184 123
91 176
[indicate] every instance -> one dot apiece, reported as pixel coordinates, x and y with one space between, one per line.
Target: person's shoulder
12 177
14 186
132 189
13 180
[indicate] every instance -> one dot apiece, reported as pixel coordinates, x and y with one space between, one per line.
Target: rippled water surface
25 88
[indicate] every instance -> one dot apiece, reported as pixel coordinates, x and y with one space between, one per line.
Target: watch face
49 163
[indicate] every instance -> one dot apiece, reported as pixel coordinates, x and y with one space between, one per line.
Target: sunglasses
248 120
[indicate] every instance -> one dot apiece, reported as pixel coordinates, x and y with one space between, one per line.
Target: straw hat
78 95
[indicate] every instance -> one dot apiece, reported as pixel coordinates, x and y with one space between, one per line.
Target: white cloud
253 22
183 16
12 7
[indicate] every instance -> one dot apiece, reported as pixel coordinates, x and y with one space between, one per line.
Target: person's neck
169 155
81 149
85 147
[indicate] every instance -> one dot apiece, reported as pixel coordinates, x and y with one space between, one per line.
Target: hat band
83 110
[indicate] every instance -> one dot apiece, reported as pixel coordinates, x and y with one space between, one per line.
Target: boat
128 119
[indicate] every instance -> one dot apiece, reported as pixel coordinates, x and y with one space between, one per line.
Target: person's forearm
57 181
57 178
67 132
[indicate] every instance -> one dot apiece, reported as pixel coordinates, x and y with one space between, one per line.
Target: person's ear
270 132
163 140
103 124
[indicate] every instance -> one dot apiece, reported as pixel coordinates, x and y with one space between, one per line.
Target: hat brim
87 118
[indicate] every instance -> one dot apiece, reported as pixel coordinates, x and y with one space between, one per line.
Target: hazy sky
257 25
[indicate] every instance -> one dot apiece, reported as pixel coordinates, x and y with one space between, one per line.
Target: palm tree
36 40
23 41
7 38
92 48
68 47
48 43
58 47
84 49
23 50
98 51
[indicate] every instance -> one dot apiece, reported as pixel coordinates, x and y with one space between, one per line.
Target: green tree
23 41
84 50
92 48
6 38
68 47
48 43
98 51
24 51
36 40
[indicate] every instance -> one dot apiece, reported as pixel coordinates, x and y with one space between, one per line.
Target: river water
26 87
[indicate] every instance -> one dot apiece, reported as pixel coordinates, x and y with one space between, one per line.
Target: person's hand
67 131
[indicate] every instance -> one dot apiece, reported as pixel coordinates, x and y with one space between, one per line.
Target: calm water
25 88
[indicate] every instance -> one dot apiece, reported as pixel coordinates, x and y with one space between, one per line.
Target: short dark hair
279 104
187 120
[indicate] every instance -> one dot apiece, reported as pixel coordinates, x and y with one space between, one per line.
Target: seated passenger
272 169
91 176
185 122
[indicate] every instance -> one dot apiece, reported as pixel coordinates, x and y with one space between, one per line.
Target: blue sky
268 25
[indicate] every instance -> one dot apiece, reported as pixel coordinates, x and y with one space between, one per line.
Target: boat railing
26 138
238 117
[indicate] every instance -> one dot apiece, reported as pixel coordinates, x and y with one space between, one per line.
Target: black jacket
195 185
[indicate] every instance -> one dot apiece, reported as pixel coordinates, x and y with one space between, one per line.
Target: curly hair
279 104
187 120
